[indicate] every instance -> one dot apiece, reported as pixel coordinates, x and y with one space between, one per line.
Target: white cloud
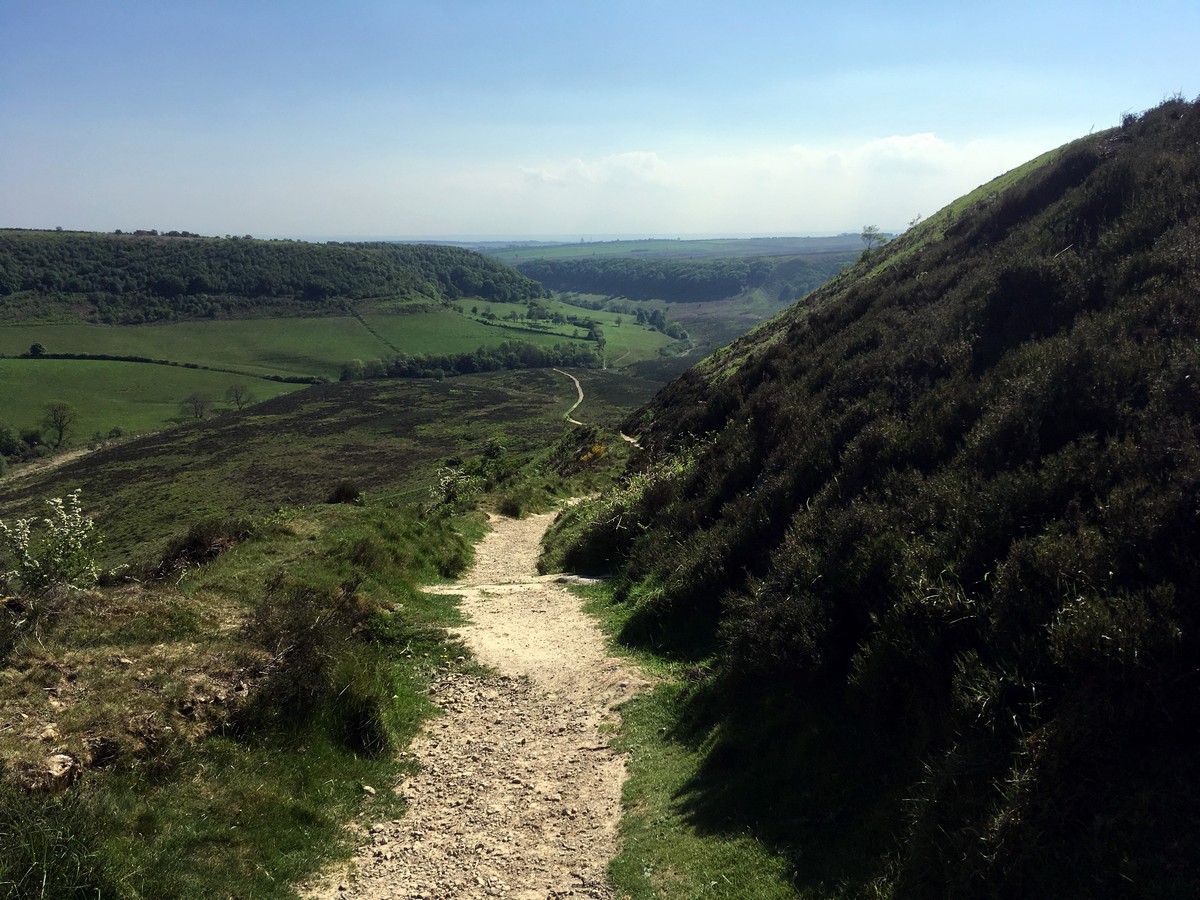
619 169
801 188
804 188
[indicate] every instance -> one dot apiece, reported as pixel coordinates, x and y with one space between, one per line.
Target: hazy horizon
467 118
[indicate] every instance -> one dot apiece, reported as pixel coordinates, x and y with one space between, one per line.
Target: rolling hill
928 544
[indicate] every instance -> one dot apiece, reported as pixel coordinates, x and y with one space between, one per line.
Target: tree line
134 278
688 280
508 355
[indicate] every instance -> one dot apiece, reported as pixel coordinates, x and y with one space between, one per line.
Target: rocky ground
519 793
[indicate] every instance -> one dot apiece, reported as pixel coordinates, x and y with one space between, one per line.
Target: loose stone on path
519 794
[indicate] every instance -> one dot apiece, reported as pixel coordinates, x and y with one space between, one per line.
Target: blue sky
519 119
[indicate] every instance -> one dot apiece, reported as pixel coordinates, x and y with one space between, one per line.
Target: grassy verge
667 852
229 719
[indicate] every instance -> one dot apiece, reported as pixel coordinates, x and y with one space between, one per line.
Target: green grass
625 344
666 853
246 809
283 346
664 856
449 332
133 396
286 346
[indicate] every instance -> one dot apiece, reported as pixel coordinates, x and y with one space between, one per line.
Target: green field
143 396
133 396
625 343
446 332
290 347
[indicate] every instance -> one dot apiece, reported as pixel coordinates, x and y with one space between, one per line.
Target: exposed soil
519 793
50 463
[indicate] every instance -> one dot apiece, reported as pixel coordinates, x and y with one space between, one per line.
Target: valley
896 586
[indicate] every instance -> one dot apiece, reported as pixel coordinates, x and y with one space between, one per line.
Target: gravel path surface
519 794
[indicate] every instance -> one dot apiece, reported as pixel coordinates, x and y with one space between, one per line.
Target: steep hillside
134 278
931 541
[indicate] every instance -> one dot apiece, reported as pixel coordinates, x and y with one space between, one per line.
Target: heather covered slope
932 538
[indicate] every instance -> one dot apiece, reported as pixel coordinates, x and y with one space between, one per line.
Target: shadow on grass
811 786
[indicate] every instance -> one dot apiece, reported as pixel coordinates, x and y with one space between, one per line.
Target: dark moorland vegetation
135 278
785 278
292 450
930 544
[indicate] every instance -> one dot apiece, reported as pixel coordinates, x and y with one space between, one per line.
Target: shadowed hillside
932 540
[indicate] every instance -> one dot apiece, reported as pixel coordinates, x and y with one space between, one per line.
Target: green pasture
448 332
625 343
282 346
290 346
106 395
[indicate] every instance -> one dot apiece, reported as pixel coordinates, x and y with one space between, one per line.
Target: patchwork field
625 343
286 346
141 396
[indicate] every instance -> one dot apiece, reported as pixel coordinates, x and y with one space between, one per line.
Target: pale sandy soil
45 465
519 793
579 389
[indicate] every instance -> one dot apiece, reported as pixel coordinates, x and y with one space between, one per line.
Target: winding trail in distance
579 388
567 416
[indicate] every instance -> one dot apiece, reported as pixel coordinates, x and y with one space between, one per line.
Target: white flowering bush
62 552
454 486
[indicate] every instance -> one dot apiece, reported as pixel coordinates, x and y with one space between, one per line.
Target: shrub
63 553
204 542
454 487
321 667
345 492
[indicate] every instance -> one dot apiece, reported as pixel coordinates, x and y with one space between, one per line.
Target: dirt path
45 465
579 388
519 795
